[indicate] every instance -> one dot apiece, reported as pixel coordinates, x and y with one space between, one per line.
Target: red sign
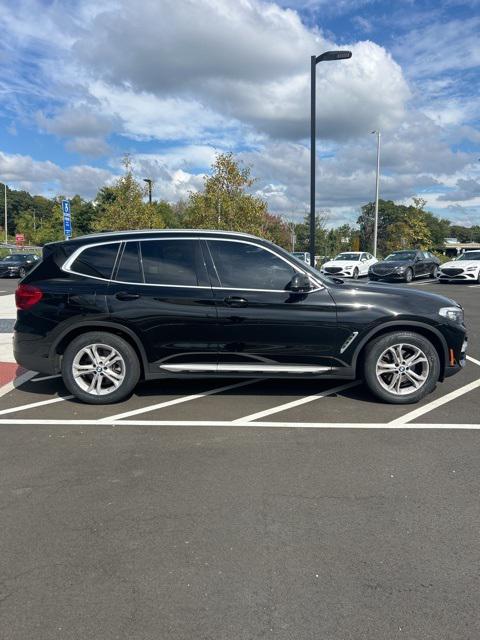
19 238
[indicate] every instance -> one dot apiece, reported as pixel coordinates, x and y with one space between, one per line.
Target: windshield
470 255
401 255
348 257
299 254
13 258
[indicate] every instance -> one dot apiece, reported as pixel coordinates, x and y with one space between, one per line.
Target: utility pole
377 189
6 215
314 60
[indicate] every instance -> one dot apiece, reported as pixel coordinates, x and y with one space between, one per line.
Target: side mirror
300 283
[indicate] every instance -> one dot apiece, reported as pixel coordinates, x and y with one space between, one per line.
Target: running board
245 368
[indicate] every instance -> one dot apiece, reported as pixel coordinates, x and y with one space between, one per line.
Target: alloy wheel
402 369
98 369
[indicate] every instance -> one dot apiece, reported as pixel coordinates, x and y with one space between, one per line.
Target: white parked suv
351 264
465 268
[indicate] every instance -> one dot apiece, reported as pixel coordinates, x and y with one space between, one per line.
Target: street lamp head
149 180
333 55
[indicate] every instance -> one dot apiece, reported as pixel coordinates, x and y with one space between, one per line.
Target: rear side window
129 268
172 262
97 261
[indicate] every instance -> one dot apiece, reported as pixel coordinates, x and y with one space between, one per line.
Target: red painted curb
9 371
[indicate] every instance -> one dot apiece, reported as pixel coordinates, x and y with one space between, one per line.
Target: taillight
26 296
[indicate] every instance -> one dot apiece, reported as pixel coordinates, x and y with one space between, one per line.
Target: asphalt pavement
270 509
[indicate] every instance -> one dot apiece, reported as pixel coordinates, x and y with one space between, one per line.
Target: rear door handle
235 301
124 295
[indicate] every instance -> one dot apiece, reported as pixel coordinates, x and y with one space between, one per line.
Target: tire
408 275
355 274
22 272
92 350
433 273
382 363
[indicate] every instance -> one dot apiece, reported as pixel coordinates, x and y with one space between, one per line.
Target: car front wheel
401 368
408 275
100 368
355 274
22 272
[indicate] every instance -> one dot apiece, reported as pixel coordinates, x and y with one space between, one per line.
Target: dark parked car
405 265
109 309
17 265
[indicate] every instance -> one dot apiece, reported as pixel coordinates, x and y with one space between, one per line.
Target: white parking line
474 360
408 417
169 403
296 403
33 405
225 423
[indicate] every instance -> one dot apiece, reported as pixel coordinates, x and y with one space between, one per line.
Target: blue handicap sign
67 219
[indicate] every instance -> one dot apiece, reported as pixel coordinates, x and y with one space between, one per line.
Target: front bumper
9 273
393 275
465 276
343 273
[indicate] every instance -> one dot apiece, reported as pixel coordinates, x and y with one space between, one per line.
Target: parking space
263 402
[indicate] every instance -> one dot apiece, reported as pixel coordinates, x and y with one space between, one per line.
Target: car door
364 264
162 293
262 325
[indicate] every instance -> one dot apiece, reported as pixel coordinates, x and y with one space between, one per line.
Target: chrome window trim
66 267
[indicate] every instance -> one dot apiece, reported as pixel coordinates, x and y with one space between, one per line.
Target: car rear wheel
401 368
100 368
408 275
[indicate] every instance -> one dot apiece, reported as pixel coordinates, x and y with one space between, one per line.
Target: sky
175 82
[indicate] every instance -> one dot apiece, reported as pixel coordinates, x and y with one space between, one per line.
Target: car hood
399 300
339 263
391 264
460 264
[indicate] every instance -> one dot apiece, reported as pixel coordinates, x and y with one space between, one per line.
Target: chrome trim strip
68 264
267 368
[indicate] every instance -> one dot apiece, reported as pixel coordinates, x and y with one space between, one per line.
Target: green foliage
399 226
224 202
123 205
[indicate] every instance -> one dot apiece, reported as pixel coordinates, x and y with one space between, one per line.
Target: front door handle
235 301
124 295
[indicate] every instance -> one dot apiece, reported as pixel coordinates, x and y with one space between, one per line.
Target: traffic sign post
67 219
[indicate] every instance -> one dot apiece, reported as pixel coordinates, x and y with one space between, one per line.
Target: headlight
400 269
452 313
471 268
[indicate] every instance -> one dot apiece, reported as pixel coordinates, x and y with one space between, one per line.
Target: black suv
405 265
109 309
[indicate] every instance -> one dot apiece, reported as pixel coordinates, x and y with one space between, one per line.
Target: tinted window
247 266
171 262
129 269
97 261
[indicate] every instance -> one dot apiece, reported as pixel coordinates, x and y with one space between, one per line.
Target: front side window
171 262
97 261
247 266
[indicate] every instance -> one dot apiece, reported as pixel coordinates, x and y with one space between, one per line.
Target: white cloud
38 176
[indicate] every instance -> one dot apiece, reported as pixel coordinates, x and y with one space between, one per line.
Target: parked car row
17 265
404 266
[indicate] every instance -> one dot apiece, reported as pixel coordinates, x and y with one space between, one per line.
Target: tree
224 202
399 226
122 205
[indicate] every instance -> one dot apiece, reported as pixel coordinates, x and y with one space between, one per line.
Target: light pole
377 188
6 216
149 182
314 60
